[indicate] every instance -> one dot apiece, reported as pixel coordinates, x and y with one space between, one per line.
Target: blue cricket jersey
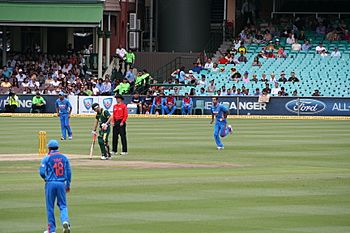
219 111
55 167
64 106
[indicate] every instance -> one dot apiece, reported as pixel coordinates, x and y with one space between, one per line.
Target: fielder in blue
64 109
55 170
221 129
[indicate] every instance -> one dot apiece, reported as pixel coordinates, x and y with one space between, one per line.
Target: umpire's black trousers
119 130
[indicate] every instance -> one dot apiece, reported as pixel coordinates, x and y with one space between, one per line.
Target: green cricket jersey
102 117
38 100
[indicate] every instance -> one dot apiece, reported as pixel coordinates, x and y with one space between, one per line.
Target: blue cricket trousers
186 110
220 130
53 191
168 111
65 126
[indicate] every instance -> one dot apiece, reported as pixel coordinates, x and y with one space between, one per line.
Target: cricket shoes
62 138
220 147
114 153
123 153
66 227
229 129
103 157
70 138
48 232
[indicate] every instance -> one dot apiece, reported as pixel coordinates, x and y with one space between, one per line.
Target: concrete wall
153 61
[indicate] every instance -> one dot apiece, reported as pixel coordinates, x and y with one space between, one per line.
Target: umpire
120 115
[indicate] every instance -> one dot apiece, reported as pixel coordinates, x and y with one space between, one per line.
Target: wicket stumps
42 143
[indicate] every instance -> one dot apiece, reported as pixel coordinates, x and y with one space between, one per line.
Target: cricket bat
92 145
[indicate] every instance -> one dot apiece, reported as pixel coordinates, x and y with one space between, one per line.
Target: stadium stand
285 46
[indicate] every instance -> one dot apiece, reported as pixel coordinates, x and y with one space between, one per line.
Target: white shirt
86 51
208 65
20 78
34 83
290 40
48 81
66 69
215 69
56 83
296 46
324 54
121 52
275 90
335 54
95 90
238 44
53 92
211 88
203 83
320 48
25 84
235 60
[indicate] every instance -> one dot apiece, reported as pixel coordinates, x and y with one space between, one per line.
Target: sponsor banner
107 102
247 106
85 104
286 106
25 103
282 106
74 102
326 106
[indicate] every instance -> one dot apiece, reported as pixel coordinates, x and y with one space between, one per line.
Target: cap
20 70
119 96
277 40
53 143
95 105
61 93
190 71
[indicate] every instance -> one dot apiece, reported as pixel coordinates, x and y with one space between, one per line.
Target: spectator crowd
44 74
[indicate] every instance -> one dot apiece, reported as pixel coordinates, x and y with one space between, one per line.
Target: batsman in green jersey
102 117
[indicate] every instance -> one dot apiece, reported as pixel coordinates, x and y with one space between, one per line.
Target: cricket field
274 176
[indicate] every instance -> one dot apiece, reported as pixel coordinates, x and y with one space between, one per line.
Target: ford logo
305 106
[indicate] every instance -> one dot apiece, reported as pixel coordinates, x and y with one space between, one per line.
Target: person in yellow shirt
38 103
12 103
6 83
122 88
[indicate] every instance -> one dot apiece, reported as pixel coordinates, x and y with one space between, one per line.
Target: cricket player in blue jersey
221 129
55 170
64 109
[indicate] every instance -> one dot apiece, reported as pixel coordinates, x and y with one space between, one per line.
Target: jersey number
59 168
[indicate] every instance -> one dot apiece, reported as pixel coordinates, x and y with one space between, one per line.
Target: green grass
295 177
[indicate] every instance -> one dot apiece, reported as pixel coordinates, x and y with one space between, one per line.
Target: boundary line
47 115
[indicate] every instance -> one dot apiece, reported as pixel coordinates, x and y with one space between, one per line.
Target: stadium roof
51 13
112 5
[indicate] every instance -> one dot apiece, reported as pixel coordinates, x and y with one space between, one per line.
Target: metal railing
216 39
308 13
165 71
